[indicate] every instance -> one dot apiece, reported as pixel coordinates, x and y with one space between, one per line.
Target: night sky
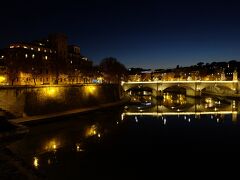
148 34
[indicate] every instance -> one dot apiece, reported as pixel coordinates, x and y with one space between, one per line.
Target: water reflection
52 145
35 162
67 144
91 131
79 147
174 104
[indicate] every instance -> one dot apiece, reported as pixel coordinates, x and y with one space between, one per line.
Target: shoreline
30 120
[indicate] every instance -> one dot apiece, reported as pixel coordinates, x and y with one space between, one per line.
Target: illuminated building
78 65
3 71
46 61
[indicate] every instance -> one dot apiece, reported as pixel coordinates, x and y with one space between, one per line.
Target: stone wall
26 101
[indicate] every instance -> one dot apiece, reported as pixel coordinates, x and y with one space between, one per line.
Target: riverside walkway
54 116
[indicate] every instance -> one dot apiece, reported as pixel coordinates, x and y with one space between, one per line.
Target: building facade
47 61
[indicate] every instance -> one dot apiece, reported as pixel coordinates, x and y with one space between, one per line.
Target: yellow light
35 162
50 91
91 131
122 116
90 89
78 147
173 82
177 113
52 145
2 79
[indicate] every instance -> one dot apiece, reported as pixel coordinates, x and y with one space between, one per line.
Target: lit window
25 47
39 49
26 55
46 57
33 56
71 62
2 57
50 51
31 48
11 46
45 50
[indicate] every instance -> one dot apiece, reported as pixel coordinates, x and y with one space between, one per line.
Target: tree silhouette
112 69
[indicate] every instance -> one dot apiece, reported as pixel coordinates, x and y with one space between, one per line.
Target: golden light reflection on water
91 131
35 162
78 147
169 99
52 145
180 105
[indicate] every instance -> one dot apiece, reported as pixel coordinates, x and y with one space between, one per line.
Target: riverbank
54 116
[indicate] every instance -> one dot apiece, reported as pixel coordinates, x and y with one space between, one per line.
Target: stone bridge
193 88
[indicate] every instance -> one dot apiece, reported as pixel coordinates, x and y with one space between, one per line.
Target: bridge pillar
157 93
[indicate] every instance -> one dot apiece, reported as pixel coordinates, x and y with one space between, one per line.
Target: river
146 137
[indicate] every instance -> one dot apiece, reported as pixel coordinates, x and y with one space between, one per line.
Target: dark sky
140 33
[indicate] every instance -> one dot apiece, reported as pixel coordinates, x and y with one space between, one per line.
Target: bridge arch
128 86
190 89
219 89
177 86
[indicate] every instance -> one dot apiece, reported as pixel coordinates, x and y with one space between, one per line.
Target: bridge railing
182 81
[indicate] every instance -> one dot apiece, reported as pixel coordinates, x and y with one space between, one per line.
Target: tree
200 64
112 69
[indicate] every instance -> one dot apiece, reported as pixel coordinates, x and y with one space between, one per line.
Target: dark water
147 138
